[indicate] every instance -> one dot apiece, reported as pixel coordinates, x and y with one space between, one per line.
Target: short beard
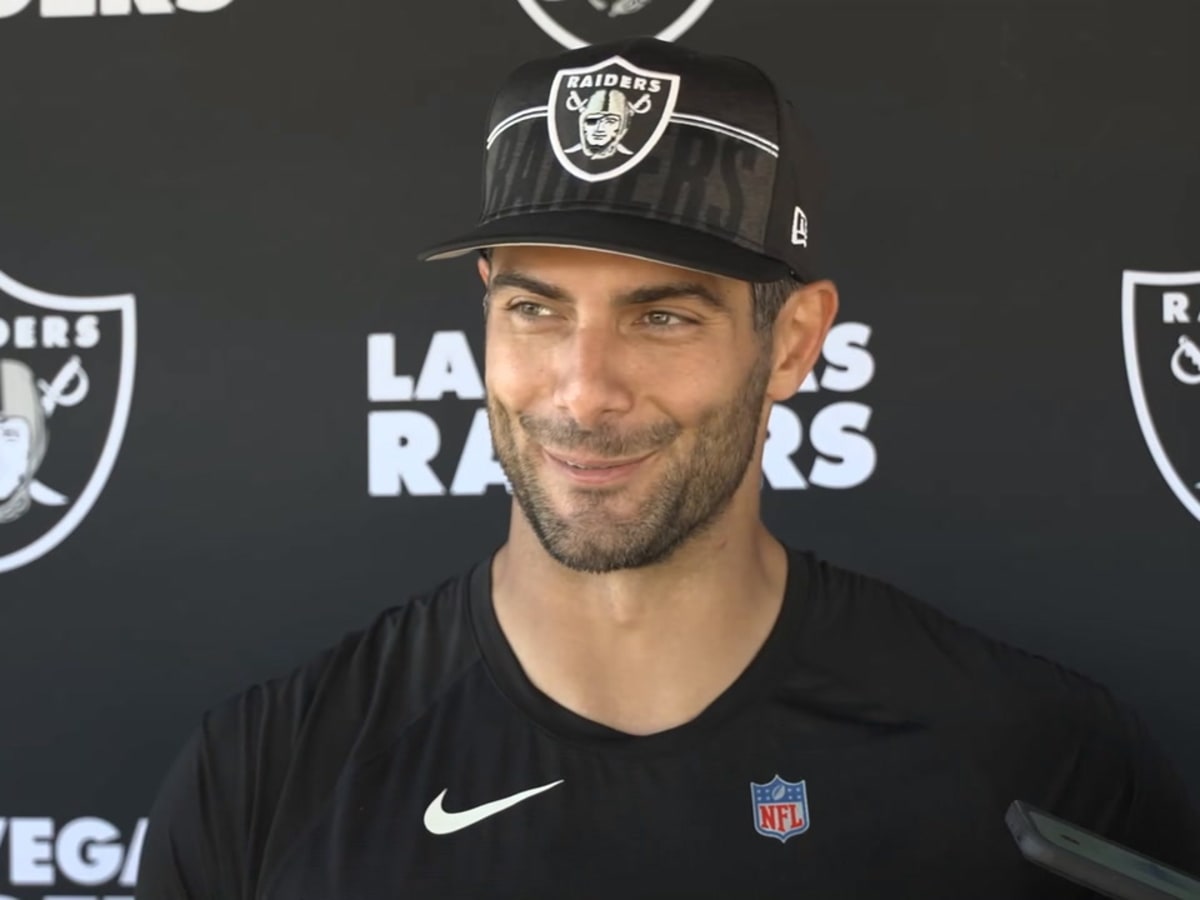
690 496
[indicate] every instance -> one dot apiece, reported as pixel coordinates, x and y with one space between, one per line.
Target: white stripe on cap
724 128
728 130
534 112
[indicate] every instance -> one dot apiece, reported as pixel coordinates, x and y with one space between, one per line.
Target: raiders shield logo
577 23
1161 325
604 119
66 381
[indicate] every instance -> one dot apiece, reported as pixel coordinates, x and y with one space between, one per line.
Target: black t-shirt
869 750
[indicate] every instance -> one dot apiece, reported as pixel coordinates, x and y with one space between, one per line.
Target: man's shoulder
1026 726
397 662
918 659
263 762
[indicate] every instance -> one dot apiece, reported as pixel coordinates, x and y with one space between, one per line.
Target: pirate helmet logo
1161 328
604 121
22 438
59 433
606 118
576 23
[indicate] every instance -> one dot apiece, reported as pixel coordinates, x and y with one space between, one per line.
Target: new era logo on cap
800 228
648 148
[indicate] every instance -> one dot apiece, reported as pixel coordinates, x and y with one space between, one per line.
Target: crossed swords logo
69 388
1188 350
577 104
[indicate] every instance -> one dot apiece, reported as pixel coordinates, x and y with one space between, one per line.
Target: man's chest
505 811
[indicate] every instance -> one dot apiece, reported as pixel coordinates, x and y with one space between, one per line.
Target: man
642 693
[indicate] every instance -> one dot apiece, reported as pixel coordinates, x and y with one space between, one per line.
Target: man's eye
659 318
528 309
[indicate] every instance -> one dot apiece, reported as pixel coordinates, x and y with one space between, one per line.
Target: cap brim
627 235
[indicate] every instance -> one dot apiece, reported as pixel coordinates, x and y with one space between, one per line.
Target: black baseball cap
649 149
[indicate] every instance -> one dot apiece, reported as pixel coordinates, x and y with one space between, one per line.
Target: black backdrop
258 175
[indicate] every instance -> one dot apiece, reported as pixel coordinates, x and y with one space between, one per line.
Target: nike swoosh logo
438 821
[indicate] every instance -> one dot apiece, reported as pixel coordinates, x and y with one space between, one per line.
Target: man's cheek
515 382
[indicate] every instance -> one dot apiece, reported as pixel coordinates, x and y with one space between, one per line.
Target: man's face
625 399
600 131
14 454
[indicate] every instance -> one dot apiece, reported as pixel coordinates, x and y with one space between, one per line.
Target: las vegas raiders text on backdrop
575 23
88 858
66 383
1161 326
64 9
427 433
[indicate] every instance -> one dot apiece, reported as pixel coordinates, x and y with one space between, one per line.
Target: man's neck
640 650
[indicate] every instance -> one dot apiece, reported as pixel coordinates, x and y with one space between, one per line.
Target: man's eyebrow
649 294
658 292
525 282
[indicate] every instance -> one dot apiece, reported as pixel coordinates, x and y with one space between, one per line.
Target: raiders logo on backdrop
66 382
604 119
577 23
1161 326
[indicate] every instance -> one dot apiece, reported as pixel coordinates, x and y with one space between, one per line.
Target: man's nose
593 376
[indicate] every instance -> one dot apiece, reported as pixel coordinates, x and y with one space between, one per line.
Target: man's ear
799 332
484 267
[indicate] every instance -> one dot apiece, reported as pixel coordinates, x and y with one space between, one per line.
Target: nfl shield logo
780 808
66 383
605 119
577 23
1161 327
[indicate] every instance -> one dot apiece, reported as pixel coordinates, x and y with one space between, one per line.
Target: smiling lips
594 470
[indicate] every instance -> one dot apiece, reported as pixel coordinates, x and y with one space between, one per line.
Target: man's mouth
586 463
591 470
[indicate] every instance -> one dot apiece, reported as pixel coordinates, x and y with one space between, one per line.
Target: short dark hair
769 297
